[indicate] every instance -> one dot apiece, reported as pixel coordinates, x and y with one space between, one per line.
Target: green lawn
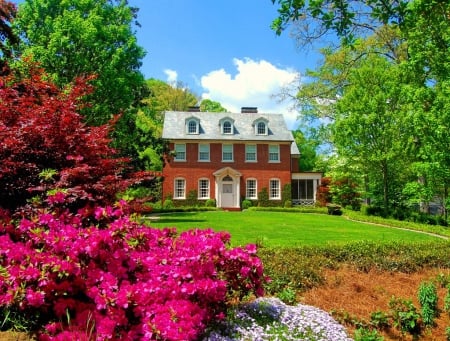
285 229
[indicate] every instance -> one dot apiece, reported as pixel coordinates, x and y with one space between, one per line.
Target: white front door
227 195
227 187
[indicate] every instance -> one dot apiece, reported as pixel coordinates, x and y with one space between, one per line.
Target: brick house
230 157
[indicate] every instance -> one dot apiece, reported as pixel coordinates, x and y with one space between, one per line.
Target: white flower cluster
268 318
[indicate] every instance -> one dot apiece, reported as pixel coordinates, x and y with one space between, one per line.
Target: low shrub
124 280
405 316
246 204
168 204
428 299
210 203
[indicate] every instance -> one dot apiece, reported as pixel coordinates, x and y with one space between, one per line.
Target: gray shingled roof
175 127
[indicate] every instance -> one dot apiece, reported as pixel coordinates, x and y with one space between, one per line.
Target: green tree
82 37
146 145
347 19
169 97
211 106
369 124
308 154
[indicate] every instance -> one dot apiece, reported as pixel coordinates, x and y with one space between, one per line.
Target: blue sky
223 50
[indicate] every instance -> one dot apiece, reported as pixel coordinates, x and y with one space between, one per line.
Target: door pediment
227 171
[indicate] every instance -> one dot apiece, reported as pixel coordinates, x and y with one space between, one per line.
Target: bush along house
229 157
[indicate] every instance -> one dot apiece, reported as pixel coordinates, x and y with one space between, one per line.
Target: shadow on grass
181 217
175 220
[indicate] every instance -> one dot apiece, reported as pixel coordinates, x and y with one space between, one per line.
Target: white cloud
172 76
254 85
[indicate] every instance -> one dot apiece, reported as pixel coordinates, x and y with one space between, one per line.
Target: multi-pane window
251 191
203 189
227 127
227 152
179 189
192 127
250 152
180 152
274 192
261 128
274 153
203 152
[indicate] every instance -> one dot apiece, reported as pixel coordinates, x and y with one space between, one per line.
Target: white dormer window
192 125
227 126
261 126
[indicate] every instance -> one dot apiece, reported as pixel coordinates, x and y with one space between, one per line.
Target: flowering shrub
271 319
123 281
45 144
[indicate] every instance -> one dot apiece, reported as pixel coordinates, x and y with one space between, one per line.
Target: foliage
428 299
382 89
211 106
168 97
379 320
210 203
44 134
307 147
364 334
146 144
287 295
75 38
345 19
7 37
246 203
126 280
447 300
323 192
405 315
292 269
168 204
345 193
263 198
296 209
286 194
192 198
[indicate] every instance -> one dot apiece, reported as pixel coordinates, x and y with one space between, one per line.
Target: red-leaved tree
44 144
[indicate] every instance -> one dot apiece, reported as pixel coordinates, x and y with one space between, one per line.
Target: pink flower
34 299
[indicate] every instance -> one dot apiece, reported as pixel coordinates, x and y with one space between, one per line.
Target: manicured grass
285 229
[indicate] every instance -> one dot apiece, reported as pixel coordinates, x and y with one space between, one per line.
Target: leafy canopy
77 38
44 143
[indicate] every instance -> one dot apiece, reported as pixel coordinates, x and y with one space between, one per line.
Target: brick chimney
249 110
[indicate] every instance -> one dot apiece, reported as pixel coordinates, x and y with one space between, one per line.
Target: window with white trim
203 152
250 152
180 152
274 189
192 126
227 127
261 128
227 152
274 153
179 189
203 189
251 189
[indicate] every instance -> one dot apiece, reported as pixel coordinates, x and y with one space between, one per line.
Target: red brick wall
191 169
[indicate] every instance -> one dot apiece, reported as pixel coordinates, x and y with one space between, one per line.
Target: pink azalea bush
114 279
